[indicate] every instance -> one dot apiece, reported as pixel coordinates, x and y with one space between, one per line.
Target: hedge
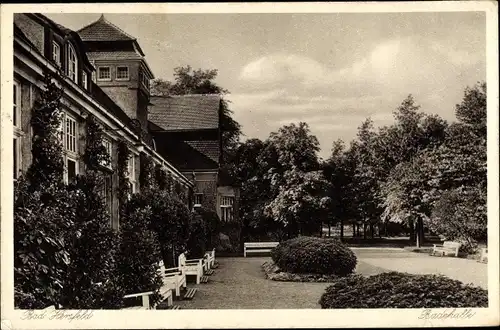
402 290
314 255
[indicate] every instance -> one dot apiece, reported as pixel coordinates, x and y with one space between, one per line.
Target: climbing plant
95 154
47 165
122 169
147 178
161 177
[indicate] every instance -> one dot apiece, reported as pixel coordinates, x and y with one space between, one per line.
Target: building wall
125 93
206 183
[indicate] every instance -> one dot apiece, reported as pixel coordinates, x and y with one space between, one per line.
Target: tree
299 191
302 203
339 171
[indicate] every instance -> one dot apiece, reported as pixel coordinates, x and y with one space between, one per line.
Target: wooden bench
210 256
484 255
173 278
192 267
448 247
258 247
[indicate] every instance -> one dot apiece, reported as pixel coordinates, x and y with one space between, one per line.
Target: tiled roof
118 55
209 148
103 30
183 156
185 112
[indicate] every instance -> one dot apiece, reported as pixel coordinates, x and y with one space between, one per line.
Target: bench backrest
182 259
451 244
260 244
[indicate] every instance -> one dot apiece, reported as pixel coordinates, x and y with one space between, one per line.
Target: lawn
240 283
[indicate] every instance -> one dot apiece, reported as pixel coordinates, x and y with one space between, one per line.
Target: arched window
72 63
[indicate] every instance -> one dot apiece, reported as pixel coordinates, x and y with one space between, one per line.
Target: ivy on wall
122 169
47 166
95 152
161 177
147 177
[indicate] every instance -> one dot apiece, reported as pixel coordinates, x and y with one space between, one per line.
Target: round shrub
402 290
314 255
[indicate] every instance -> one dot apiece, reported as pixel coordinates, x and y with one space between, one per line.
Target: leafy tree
302 203
461 215
339 171
296 147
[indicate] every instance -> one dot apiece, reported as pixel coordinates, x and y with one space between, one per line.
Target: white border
251 318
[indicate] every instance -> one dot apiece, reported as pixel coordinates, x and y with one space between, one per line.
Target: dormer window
56 53
104 73
72 64
122 73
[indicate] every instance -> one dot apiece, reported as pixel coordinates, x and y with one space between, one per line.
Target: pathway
240 283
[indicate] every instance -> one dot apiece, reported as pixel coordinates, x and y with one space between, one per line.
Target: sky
331 70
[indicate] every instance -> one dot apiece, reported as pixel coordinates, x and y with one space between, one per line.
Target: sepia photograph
279 159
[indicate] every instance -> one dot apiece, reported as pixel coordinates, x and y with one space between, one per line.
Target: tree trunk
385 229
353 230
341 229
420 232
412 231
364 230
329 228
379 230
371 230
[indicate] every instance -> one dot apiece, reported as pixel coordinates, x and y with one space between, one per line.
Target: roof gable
185 112
103 30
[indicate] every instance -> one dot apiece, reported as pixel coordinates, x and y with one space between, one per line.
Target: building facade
187 132
118 98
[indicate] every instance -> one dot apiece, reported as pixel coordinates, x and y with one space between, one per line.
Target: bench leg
198 279
145 302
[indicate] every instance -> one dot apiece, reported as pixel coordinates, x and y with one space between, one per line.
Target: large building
104 72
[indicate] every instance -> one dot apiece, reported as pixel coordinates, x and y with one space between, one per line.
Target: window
122 73
16 114
226 208
198 199
109 148
70 134
131 174
144 79
56 53
71 169
104 73
72 64
84 80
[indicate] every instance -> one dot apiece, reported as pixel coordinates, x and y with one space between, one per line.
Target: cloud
280 88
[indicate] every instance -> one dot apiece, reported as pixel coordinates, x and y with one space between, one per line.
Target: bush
139 255
93 252
43 222
461 215
197 238
402 290
169 218
212 225
314 255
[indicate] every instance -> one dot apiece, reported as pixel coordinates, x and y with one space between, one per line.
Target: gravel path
240 283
